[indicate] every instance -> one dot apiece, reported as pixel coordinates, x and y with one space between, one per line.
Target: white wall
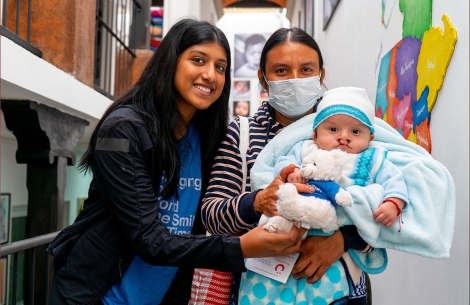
351 46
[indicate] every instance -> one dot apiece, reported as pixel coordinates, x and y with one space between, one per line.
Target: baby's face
242 109
343 132
253 55
241 86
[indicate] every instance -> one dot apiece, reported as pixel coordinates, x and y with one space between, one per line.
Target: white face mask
294 97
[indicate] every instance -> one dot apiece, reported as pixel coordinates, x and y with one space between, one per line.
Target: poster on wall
246 97
248 49
309 17
262 94
5 218
241 108
412 73
329 7
241 89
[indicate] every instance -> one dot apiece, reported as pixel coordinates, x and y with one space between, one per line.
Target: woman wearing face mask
293 83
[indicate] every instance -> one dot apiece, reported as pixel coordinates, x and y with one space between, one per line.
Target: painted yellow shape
436 52
412 137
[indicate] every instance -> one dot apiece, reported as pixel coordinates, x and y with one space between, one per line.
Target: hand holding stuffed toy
322 169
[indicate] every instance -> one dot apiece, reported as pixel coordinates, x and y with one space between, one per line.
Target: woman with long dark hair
150 156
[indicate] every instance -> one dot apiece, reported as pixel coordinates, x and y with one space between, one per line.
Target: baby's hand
387 212
296 177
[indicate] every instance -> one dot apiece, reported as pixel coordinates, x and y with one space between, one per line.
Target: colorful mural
412 72
387 11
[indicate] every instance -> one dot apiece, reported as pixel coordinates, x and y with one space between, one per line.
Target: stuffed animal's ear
339 156
309 158
308 147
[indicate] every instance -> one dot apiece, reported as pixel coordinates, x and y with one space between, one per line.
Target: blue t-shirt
325 190
144 284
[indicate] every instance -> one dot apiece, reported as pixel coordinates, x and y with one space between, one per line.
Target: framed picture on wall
309 17
5 218
241 108
241 89
248 49
262 93
329 7
4 280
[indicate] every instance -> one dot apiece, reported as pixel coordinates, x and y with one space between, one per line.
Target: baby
345 120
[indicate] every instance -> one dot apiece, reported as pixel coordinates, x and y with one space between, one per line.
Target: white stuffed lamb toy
322 169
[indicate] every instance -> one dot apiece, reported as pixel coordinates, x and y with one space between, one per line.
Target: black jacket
120 220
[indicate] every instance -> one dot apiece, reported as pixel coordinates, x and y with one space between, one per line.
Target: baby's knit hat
350 101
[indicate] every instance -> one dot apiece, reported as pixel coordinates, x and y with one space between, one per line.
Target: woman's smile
204 89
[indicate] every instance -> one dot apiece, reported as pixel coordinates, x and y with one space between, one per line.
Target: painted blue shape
420 108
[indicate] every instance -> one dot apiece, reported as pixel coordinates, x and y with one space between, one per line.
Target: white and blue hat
349 101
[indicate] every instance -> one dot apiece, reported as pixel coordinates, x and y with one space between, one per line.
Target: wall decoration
263 94
241 108
248 49
387 12
412 72
309 17
5 218
241 89
329 7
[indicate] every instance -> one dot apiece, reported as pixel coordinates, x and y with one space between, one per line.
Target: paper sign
276 268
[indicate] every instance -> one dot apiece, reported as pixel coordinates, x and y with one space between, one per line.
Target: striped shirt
225 209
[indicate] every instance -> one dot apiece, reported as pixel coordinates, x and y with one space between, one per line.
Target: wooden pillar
46 143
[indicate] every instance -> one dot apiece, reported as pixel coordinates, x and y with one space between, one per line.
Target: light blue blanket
428 219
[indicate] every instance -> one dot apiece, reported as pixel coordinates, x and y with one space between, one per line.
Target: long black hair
153 96
284 35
